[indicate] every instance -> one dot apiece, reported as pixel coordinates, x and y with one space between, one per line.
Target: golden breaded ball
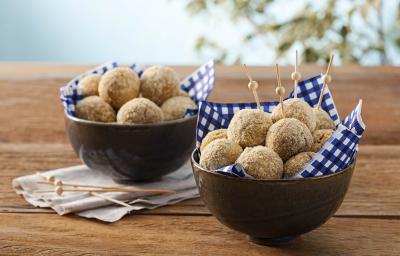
249 127
159 83
175 107
296 163
295 108
219 153
118 86
320 137
211 136
261 162
94 108
289 136
323 120
139 111
89 86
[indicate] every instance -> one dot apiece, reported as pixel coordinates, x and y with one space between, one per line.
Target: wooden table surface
32 138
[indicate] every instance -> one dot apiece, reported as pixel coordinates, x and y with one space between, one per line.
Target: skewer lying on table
78 187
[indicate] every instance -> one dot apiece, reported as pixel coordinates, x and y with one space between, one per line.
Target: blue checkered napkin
340 150
234 170
214 116
310 89
198 85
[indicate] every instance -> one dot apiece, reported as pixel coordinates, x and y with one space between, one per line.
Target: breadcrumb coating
261 162
249 127
175 107
289 136
296 163
295 108
320 137
211 136
323 120
89 86
139 111
159 83
118 86
94 108
219 153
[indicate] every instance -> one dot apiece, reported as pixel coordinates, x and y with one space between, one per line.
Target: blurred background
257 32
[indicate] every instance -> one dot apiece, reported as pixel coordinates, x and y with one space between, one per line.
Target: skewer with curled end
296 77
280 90
59 190
78 187
326 78
253 86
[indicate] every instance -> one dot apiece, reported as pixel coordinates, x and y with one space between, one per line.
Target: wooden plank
373 192
181 235
36 102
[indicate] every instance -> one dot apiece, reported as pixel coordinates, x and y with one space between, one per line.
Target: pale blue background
144 31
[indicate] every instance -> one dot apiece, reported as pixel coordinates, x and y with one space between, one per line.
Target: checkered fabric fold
198 84
234 170
214 116
340 150
336 154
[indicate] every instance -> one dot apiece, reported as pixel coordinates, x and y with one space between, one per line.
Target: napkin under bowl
132 152
271 211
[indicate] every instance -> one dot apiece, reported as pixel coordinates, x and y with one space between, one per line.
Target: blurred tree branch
352 32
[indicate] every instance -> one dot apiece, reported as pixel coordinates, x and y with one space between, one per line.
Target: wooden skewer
296 77
111 199
59 190
105 189
326 78
253 85
280 90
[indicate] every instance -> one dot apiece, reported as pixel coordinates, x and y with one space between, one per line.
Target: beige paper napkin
86 205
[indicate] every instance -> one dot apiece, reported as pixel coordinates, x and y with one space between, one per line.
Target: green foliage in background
350 29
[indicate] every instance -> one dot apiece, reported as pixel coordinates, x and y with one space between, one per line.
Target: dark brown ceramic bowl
132 152
271 211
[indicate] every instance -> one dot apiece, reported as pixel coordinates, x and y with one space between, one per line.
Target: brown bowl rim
114 124
254 180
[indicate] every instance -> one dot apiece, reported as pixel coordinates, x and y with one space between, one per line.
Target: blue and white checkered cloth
198 84
336 154
213 116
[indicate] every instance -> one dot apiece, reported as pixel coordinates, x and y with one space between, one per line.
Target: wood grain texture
32 138
185 235
373 192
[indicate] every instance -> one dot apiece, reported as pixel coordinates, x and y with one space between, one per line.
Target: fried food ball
159 83
89 86
219 153
175 107
118 86
139 111
211 136
183 93
289 136
323 120
320 137
249 127
94 108
296 163
295 108
261 162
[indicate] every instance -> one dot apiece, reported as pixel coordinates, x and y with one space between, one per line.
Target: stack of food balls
269 145
121 96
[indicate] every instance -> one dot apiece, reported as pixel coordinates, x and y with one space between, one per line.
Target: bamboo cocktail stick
326 78
280 90
253 85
